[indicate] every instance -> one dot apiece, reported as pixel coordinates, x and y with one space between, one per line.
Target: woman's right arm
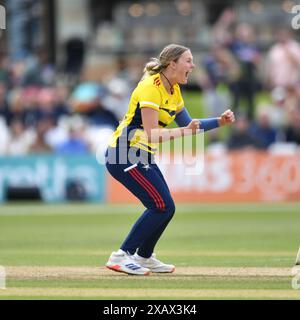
156 134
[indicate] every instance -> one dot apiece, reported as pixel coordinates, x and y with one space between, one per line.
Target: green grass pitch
221 251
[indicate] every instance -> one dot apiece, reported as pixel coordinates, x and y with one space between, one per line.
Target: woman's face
183 67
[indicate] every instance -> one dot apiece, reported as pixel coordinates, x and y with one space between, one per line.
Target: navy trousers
145 180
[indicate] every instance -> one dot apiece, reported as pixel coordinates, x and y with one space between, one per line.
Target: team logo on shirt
156 81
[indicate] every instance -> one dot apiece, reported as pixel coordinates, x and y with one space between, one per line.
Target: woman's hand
227 117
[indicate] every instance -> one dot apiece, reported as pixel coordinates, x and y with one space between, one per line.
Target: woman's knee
166 206
169 207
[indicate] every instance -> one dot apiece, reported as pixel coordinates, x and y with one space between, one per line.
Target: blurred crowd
41 112
262 87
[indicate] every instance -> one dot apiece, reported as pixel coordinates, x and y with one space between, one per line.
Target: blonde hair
172 52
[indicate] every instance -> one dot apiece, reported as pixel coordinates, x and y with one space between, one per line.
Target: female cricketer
154 104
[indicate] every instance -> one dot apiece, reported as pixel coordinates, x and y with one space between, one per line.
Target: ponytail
152 67
172 52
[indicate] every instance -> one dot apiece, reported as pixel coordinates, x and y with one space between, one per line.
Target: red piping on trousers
148 187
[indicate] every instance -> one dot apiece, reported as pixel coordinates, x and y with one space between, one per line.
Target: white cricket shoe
120 261
154 264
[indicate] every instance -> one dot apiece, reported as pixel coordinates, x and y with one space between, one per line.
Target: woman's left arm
183 118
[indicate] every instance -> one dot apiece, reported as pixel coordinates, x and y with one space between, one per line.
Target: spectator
40 72
283 62
30 106
39 144
103 117
76 143
4 108
245 50
283 68
262 129
20 139
118 98
61 108
46 106
18 69
222 29
74 53
5 73
241 138
87 98
292 131
219 68
125 73
16 108
56 135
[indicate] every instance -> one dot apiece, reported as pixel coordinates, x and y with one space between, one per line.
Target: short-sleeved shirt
149 93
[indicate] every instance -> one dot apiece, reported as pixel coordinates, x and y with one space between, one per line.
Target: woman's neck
168 81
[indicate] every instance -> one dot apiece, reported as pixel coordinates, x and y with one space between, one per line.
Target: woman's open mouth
187 74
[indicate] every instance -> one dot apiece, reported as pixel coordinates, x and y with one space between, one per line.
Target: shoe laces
153 258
